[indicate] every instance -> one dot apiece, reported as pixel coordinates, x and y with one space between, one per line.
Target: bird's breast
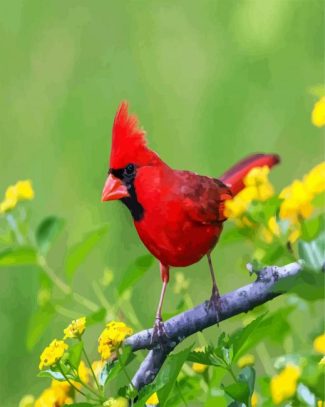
176 242
165 227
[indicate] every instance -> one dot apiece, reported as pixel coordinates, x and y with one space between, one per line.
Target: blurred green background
211 81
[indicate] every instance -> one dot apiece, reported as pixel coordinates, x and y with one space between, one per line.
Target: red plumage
128 141
178 215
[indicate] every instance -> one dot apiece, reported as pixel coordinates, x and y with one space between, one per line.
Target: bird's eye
129 169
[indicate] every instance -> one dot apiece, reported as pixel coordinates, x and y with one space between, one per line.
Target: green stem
99 396
229 368
52 276
180 393
13 224
85 302
61 285
91 369
124 369
101 296
69 381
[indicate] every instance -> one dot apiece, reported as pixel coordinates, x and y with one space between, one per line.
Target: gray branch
202 316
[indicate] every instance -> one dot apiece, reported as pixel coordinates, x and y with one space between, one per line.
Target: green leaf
96 317
260 212
83 405
238 391
313 253
134 272
311 228
240 337
247 375
227 354
186 389
59 371
319 200
18 256
38 324
207 357
307 285
53 374
74 354
78 253
113 368
273 253
165 379
47 232
274 327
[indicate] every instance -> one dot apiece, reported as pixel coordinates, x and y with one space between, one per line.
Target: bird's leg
215 295
158 328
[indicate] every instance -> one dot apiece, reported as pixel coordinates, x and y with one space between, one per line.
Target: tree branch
201 317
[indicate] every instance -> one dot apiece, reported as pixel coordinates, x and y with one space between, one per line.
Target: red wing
203 197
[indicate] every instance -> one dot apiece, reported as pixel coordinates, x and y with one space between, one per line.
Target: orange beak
114 189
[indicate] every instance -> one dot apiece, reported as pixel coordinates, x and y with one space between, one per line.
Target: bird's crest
128 140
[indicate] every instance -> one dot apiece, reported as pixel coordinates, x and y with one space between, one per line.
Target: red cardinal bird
178 215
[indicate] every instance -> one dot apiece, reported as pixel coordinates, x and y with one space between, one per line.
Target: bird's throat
133 204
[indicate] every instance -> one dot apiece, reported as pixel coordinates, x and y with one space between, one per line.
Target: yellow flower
153 400
319 344
21 191
257 187
199 367
246 360
318 113
60 386
254 399
52 353
83 372
284 384
104 346
273 229
75 329
314 181
7 204
112 337
295 234
119 402
27 401
258 178
320 403
296 202
235 207
25 190
56 395
273 226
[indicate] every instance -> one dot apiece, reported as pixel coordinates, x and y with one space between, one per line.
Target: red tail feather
235 175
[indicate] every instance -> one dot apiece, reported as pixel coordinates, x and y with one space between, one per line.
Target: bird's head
129 153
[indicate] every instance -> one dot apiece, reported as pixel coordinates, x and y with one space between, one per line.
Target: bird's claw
215 304
159 334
